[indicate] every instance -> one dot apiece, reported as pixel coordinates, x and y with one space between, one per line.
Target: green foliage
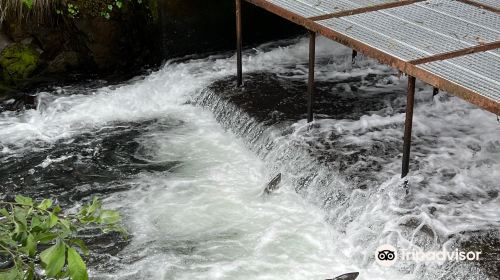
39 235
28 3
18 62
44 10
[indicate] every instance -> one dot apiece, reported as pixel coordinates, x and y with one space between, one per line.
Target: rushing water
184 156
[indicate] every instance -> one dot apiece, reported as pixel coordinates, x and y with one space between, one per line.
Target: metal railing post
310 83
410 101
239 44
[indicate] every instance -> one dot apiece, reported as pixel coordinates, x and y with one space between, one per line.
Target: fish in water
273 185
347 276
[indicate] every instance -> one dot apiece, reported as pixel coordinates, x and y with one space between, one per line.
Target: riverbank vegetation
38 240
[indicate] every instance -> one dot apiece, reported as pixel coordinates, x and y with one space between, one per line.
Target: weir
453 45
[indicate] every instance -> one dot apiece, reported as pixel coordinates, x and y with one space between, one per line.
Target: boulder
18 62
64 61
102 39
4 40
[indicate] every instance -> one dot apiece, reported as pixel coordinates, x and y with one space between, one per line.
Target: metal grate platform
312 8
453 45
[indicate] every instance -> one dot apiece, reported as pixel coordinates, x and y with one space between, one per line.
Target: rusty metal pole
239 44
410 101
435 91
310 83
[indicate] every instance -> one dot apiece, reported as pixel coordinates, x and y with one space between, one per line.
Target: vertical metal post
435 91
239 44
310 83
410 101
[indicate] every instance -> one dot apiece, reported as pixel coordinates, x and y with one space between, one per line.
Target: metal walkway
453 45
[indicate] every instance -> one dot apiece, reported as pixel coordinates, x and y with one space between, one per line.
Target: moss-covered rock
18 61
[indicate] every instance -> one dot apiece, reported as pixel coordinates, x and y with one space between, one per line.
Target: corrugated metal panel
312 8
297 7
476 75
491 3
466 12
395 35
445 24
331 6
365 34
431 29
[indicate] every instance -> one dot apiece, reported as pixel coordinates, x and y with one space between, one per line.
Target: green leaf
81 245
52 220
28 3
119 4
36 224
30 247
57 209
96 205
45 204
30 273
76 267
23 200
109 217
4 212
66 224
45 237
20 220
53 259
11 274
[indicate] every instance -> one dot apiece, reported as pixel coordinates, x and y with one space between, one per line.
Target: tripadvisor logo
387 255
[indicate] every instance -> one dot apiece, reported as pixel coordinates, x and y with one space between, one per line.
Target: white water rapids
206 219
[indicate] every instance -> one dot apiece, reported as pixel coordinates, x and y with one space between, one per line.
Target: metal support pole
239 44
410 101
435 91
310 84
354 54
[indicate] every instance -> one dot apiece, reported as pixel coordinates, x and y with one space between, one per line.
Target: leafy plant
39 241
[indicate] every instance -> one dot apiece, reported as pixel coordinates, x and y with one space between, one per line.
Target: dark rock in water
347 276
19 102
273 185
6 262
64 61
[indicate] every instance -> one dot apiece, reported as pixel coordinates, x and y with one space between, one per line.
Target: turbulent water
184 155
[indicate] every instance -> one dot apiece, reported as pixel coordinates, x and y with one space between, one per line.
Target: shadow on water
92 163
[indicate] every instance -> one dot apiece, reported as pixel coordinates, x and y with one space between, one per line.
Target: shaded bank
73 47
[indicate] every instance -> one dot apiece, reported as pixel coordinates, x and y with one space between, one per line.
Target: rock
64 61
4 40
16 31
28 41
18 62
6 92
